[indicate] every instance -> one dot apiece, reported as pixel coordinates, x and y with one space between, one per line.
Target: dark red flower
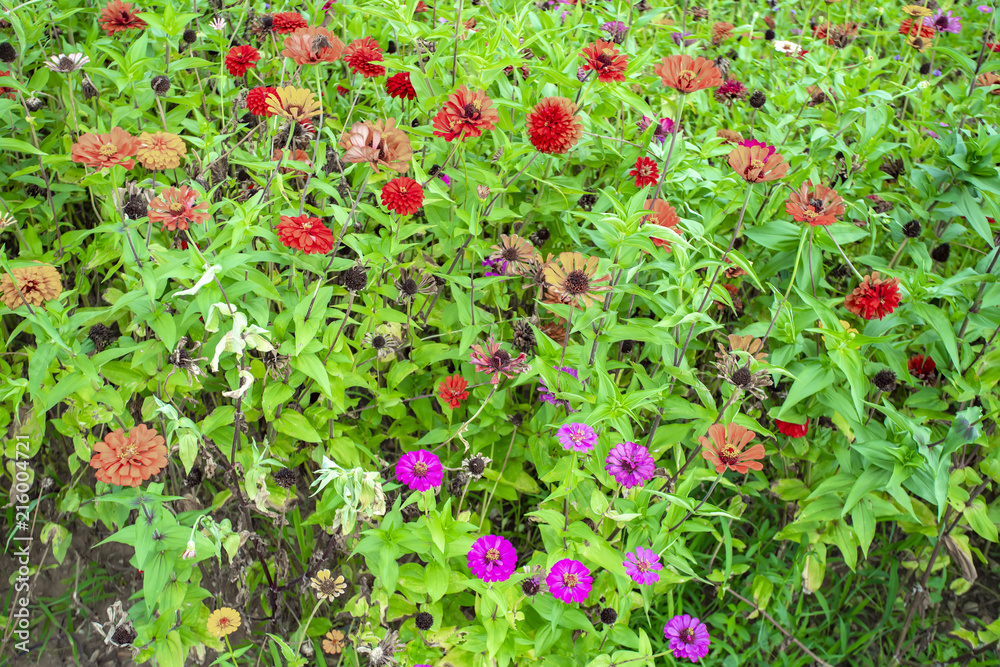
403 195
921 367
361 56
341 90
286 22
398 85
605 59
305 233
874 298
240 59
257 100
421 7
993 47
452 391
793 430
553 126
646 172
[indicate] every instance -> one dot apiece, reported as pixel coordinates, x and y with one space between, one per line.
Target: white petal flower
789 48
67 62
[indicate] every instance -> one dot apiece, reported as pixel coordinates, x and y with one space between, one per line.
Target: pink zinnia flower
492 558
570 581
688 637
577 437
642 566
630 464
491 358
420 470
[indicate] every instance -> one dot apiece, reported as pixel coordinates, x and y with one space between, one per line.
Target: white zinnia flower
789 48
67 62
218 23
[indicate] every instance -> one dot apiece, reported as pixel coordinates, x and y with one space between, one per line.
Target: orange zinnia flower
297 154
989 79
724 448
106 150
553 126
465 115
34 285
380 143
907 27
129 461
604 58
308 46
821 206
160 150
664 215
756 162
176 208
686 74
721 31
118 16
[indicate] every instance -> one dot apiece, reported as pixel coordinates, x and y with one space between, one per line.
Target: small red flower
605 59
993 47
793 430
398 85
645 172
403 195
341 90
240 59
921 367
305 233
286 22
665 216
10 93
361 56
452 391
874 298
257 100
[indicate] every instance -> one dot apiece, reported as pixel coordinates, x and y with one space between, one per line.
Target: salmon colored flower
724 448
287 22
572 279
297 155
874 298
688 75
305 233
257 100
33 285
106 150
361 56
465 115
817 205
452 391
923 31
403 195
308 46
756 162
380 144
240 59
118 16
129 461
293 103
176 208
160 150
605 59
553 126
645 172
721 31
664 215
987 80
398 85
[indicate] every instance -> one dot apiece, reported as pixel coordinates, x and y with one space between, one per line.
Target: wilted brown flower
380 144
516 252
572 278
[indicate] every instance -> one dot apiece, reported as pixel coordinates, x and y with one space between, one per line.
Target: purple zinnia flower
545 395
936 72
630 464
942 22
679 38
688 637
495 265
642 566
616 31
444 177
492 558
570 581
664 127
985 9
931 133
577 437
420 470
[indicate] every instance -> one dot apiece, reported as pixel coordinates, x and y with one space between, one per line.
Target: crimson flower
257 100
305 233
240 59
466 113
361 56
398 85
452 391
793 430
645 172
492 359
874 298
286 22
924 31
403 195
605 59
921 367
553 126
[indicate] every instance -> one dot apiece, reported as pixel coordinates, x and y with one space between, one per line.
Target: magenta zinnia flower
548 397
688 637
630 464
491 358
492 558
942 22
642 566
570 581
664 127
577 437
420 470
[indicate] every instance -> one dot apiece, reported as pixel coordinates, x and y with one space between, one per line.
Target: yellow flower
160 150
34 284
223 621
333 642
293 103
917 11
327 588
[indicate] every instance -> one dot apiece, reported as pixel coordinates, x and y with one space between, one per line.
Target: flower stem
673 140
841 250
305 628
703 501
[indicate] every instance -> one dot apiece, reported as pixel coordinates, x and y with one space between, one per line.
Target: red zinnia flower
604 58
305 233
874 298
176 208
5 91
908 28
257 100
240 59
119 16
645 172
993 47
466 114
403 195
793 430
921 367
552 126
286 22
421 7
452 391
362 54
398 85
815 204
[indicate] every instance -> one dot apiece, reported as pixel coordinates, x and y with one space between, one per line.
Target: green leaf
170 651
863 522
940 325
872 478
973 212
812 379
20 146
977 516
295 424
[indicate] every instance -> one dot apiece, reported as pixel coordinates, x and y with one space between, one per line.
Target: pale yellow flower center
108 149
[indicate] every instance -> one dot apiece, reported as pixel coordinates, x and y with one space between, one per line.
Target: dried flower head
411 283
380 143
